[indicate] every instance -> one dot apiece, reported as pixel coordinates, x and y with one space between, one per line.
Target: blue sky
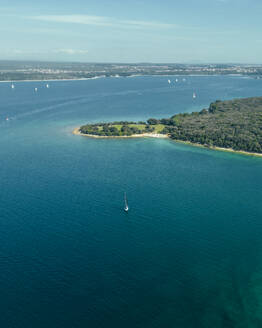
182 31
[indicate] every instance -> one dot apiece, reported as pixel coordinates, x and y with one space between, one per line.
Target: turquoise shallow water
188 254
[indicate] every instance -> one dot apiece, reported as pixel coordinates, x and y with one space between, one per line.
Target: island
232 125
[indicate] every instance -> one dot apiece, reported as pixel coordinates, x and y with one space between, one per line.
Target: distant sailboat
12 86
168 81
176 80
7 119
126 208
47 86
194 95
36 89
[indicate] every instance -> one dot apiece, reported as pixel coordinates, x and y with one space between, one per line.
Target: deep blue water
188 253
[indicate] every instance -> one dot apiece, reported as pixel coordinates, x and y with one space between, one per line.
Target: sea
188 253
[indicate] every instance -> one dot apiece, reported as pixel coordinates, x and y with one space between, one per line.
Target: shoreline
128 76
228 150
142 135
165 136
54 80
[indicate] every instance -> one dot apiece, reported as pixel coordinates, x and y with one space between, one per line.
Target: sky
160 31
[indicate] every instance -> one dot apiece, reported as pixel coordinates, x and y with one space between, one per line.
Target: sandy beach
76 131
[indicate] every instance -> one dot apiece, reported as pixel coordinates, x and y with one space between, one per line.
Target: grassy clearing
157 128
121 129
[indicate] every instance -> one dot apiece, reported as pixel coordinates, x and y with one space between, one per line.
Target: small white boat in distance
126 208
36 89
168 81
194 95
7 119
12 86
176 80
47 86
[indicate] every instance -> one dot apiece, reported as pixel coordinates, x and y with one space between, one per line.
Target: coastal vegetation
234 124
123 128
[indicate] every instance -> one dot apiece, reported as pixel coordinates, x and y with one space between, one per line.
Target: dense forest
235 124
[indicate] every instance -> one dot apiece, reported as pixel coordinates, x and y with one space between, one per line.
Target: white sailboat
47 86
168 81
12 86
126 208
194 95
36 89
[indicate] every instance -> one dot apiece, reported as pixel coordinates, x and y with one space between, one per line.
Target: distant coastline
54 80
117 77
14 71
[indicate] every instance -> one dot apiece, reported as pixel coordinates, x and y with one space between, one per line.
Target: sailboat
12 86
194 95
126 208
168 81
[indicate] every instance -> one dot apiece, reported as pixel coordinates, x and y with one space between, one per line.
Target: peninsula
233 125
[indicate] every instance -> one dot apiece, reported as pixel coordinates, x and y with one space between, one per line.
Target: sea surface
188 254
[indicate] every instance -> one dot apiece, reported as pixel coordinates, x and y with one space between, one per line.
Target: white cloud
70 51
101 21
16 52
66 51
19 51
78 19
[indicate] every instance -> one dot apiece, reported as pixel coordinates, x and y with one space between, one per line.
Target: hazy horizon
217 31
126 63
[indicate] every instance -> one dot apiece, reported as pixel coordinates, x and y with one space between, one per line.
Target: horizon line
127 63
